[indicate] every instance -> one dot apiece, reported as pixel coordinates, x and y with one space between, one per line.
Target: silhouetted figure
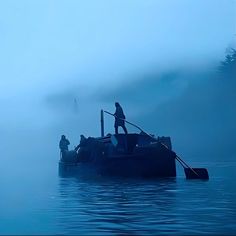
64 144
75 106
119 118
83 142
83 149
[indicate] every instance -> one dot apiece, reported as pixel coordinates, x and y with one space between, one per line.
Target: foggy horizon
146 55
171 65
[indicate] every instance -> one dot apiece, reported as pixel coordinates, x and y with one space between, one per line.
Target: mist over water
36 200
61 63
199 116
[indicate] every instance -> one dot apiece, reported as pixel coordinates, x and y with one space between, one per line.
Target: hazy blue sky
51 50
53 44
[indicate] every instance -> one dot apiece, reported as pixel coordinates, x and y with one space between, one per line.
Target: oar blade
196 173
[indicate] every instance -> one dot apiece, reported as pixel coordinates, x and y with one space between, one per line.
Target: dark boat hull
132 155
135 165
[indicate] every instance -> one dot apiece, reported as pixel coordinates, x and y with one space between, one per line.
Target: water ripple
122 206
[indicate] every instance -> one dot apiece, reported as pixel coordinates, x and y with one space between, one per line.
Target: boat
125 155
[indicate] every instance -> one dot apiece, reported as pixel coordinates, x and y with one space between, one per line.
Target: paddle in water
190 173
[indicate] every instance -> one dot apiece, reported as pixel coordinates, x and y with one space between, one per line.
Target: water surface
35 200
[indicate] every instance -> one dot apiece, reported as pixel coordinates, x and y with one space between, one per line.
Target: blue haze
159 59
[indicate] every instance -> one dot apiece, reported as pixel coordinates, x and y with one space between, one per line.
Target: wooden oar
193 173
190 173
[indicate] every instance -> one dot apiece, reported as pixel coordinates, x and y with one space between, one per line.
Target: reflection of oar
190 173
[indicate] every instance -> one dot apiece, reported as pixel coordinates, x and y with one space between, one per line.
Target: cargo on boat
127 155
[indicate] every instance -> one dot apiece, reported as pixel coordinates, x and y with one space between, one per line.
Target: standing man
63 145
119 118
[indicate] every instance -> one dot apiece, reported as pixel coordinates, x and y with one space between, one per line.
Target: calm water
35 200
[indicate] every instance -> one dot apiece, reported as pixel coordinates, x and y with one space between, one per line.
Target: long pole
128 123
184 164
102 123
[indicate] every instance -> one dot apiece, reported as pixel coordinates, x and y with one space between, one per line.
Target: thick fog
64 61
